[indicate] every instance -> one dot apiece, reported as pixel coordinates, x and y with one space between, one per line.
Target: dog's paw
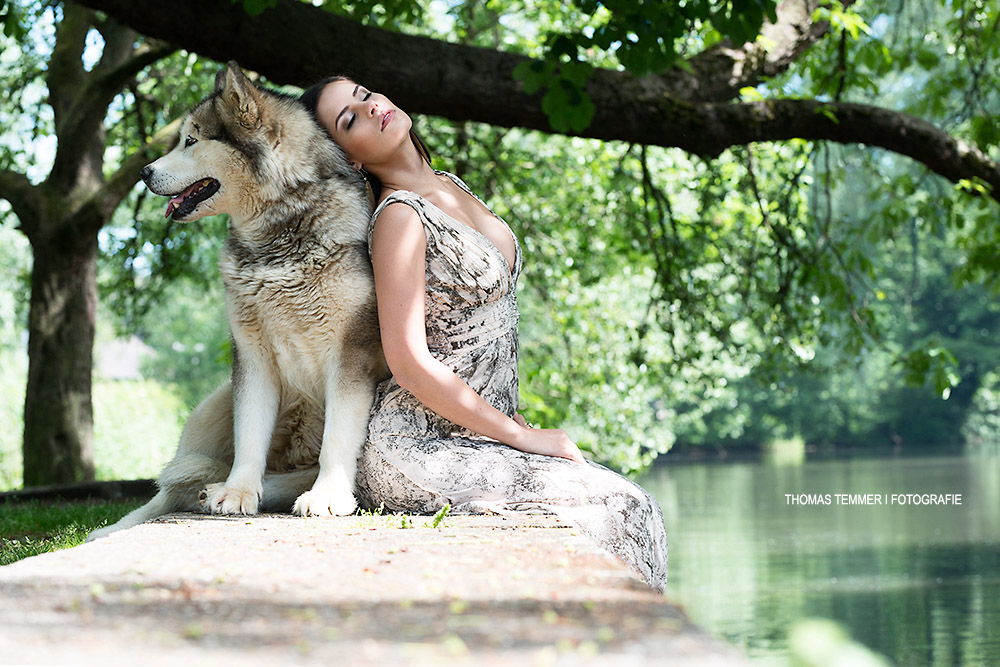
222 499
322 502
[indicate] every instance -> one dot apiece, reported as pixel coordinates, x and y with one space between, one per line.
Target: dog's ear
235 91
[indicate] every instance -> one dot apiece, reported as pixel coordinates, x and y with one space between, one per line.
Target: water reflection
917 583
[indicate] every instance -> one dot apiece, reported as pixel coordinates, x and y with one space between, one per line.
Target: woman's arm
398 248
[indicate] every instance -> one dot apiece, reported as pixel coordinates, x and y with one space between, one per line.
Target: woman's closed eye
364 98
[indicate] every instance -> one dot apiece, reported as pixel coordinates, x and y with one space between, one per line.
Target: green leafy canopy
640 36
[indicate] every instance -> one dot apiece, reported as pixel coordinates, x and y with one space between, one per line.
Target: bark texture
58 421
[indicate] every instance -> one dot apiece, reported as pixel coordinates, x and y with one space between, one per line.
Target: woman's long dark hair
310 98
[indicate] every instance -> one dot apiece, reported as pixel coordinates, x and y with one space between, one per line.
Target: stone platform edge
362 590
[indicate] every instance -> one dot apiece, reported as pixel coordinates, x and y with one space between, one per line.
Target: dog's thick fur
286 432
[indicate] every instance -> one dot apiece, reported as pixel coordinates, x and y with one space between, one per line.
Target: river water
917 583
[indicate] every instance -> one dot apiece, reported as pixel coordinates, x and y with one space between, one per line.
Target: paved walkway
273 590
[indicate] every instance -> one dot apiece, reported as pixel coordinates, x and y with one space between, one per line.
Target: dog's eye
190 141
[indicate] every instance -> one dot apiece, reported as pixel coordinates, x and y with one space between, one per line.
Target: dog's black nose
146 172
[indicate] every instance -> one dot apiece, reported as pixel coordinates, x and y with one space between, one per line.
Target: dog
286 431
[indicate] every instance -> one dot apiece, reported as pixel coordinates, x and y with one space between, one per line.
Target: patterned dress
417 461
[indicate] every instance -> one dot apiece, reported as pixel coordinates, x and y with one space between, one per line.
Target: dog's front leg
255 410
349 398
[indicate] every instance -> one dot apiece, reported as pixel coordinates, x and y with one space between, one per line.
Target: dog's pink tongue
176 201
173 204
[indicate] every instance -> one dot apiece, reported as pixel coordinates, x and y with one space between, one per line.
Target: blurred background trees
833 293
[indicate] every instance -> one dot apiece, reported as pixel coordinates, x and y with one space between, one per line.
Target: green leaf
683 65
577 73
828 111
567 106
985 131
556 108
928 59
934 364
534 75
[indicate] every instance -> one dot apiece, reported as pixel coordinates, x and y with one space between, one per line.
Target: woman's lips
387 118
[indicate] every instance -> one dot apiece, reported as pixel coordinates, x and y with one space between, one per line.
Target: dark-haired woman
444 428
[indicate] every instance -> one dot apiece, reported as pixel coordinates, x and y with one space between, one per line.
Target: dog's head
240 149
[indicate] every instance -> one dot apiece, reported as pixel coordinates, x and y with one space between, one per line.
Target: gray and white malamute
286 432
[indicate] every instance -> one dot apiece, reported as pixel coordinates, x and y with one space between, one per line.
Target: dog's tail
181 482
161 504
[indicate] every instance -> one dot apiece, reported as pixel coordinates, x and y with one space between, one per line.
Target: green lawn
30 528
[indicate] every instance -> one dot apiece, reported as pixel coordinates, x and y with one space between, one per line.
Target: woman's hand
547 441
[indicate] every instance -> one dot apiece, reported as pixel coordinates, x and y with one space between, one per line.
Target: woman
444 428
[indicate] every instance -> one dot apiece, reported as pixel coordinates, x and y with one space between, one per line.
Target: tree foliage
645 37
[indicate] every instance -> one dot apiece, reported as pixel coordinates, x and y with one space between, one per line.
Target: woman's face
365 124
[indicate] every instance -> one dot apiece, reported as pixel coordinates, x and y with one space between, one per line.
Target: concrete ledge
275 589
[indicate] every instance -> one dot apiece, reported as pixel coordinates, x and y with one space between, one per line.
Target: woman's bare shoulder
396 229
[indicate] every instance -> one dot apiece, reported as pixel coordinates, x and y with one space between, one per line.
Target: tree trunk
58 420
62 218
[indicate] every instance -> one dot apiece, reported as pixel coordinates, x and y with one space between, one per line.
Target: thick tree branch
85 99
295 43
79 150
23 197
711 128
107 81
65 73
722 70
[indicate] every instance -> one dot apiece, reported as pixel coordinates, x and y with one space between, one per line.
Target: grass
31 528
439 517
405 520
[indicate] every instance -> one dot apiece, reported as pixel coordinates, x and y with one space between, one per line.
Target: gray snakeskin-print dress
416 461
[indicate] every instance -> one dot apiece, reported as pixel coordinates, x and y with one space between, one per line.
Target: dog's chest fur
293 289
